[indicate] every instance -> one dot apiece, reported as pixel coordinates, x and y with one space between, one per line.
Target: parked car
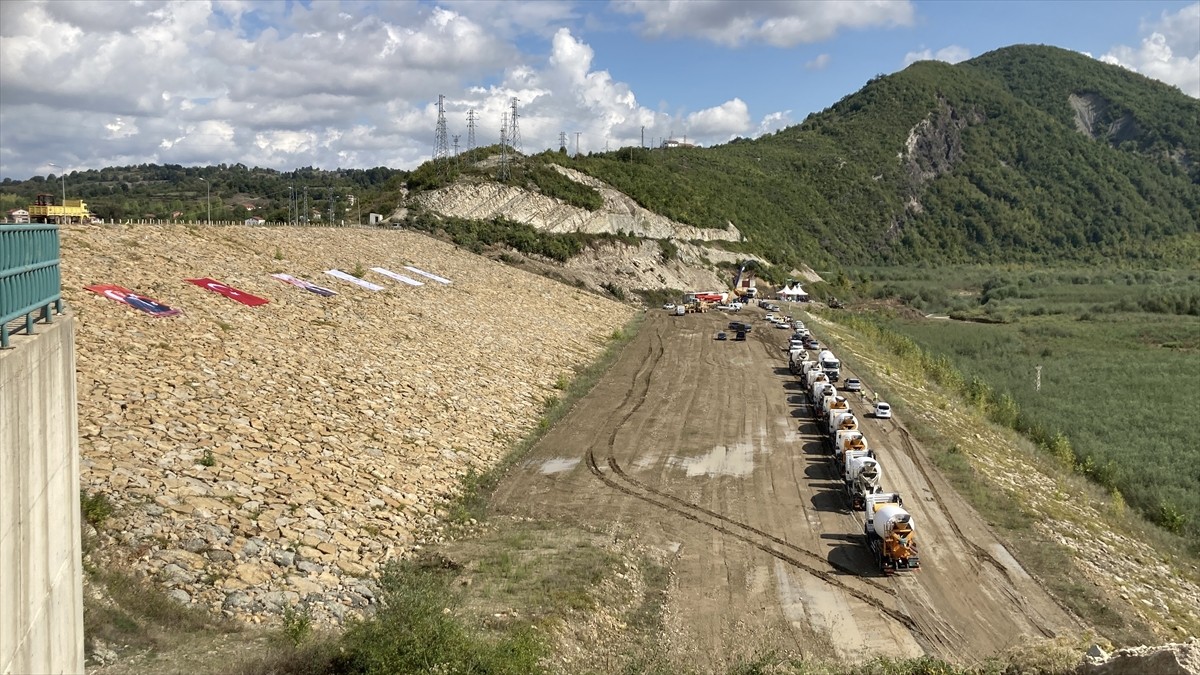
883 410
741 335
853 384
722 336
733 325
669 305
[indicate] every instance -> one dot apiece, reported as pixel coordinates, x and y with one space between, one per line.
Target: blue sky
350 83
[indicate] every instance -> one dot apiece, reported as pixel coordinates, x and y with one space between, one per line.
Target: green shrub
417 630
95 507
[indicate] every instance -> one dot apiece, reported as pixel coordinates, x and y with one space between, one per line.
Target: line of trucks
889 528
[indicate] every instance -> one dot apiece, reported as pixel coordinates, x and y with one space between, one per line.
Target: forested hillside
939 163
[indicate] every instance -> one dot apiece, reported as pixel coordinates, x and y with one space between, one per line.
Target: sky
355 83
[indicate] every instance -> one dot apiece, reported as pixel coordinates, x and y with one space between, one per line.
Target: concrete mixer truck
829 415
845 441
891 533
830 364
862 474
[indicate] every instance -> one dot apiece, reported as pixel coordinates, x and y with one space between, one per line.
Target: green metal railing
30 280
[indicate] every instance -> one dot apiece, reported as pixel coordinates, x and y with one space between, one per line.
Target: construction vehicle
818 391
808 376
861 474
797 361
830 364
44 210
829 415
891 534
848 440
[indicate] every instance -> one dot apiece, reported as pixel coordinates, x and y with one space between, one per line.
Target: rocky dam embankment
261 457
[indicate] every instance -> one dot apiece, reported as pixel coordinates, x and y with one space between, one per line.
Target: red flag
229 292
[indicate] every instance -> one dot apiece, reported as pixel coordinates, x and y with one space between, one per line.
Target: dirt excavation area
707 452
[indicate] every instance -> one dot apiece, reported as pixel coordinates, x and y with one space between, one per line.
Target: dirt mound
1169 659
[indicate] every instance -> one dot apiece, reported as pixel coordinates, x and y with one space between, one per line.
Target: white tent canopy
792 293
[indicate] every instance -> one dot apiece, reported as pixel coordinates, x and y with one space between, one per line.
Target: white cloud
328 84
774 122
1169 53
950 54
731 118
819 63
780 23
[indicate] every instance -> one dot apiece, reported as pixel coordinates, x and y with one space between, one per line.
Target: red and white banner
229 292
128 297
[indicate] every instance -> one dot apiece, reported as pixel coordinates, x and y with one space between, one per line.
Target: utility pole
514 130
471 117
643 136
502 173
307 212
577 134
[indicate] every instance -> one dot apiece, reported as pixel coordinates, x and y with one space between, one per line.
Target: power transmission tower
577 133
514 130
456 137
502 172
441 144
471 117
562 142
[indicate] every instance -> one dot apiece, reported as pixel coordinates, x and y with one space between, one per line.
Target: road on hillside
708 450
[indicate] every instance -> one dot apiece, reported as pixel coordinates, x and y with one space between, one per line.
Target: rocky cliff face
263 456
620 213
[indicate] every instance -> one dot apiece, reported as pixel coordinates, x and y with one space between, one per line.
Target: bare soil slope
708 449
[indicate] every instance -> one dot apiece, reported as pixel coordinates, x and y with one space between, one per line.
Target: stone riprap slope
261 457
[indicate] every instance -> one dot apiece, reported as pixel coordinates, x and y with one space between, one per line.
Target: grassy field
1119 356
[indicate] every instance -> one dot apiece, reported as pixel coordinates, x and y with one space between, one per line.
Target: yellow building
71 211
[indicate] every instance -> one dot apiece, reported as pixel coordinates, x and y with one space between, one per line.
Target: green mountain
1027 153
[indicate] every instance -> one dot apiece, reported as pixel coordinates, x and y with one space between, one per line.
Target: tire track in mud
1009 589
637 394
826 576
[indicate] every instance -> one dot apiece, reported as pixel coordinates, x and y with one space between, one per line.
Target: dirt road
708 449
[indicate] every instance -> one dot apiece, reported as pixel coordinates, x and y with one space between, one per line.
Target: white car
669 306
883 411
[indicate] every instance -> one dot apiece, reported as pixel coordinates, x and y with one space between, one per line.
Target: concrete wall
41 574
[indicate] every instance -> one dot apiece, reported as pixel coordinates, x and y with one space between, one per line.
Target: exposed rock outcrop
1169 659
620 213
934 146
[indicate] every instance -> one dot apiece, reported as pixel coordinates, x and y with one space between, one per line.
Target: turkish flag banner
229 292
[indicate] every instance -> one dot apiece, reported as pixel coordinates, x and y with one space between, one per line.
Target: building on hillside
255 221
18 216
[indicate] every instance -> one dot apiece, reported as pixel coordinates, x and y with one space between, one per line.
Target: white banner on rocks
423 273
354 280
398 277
